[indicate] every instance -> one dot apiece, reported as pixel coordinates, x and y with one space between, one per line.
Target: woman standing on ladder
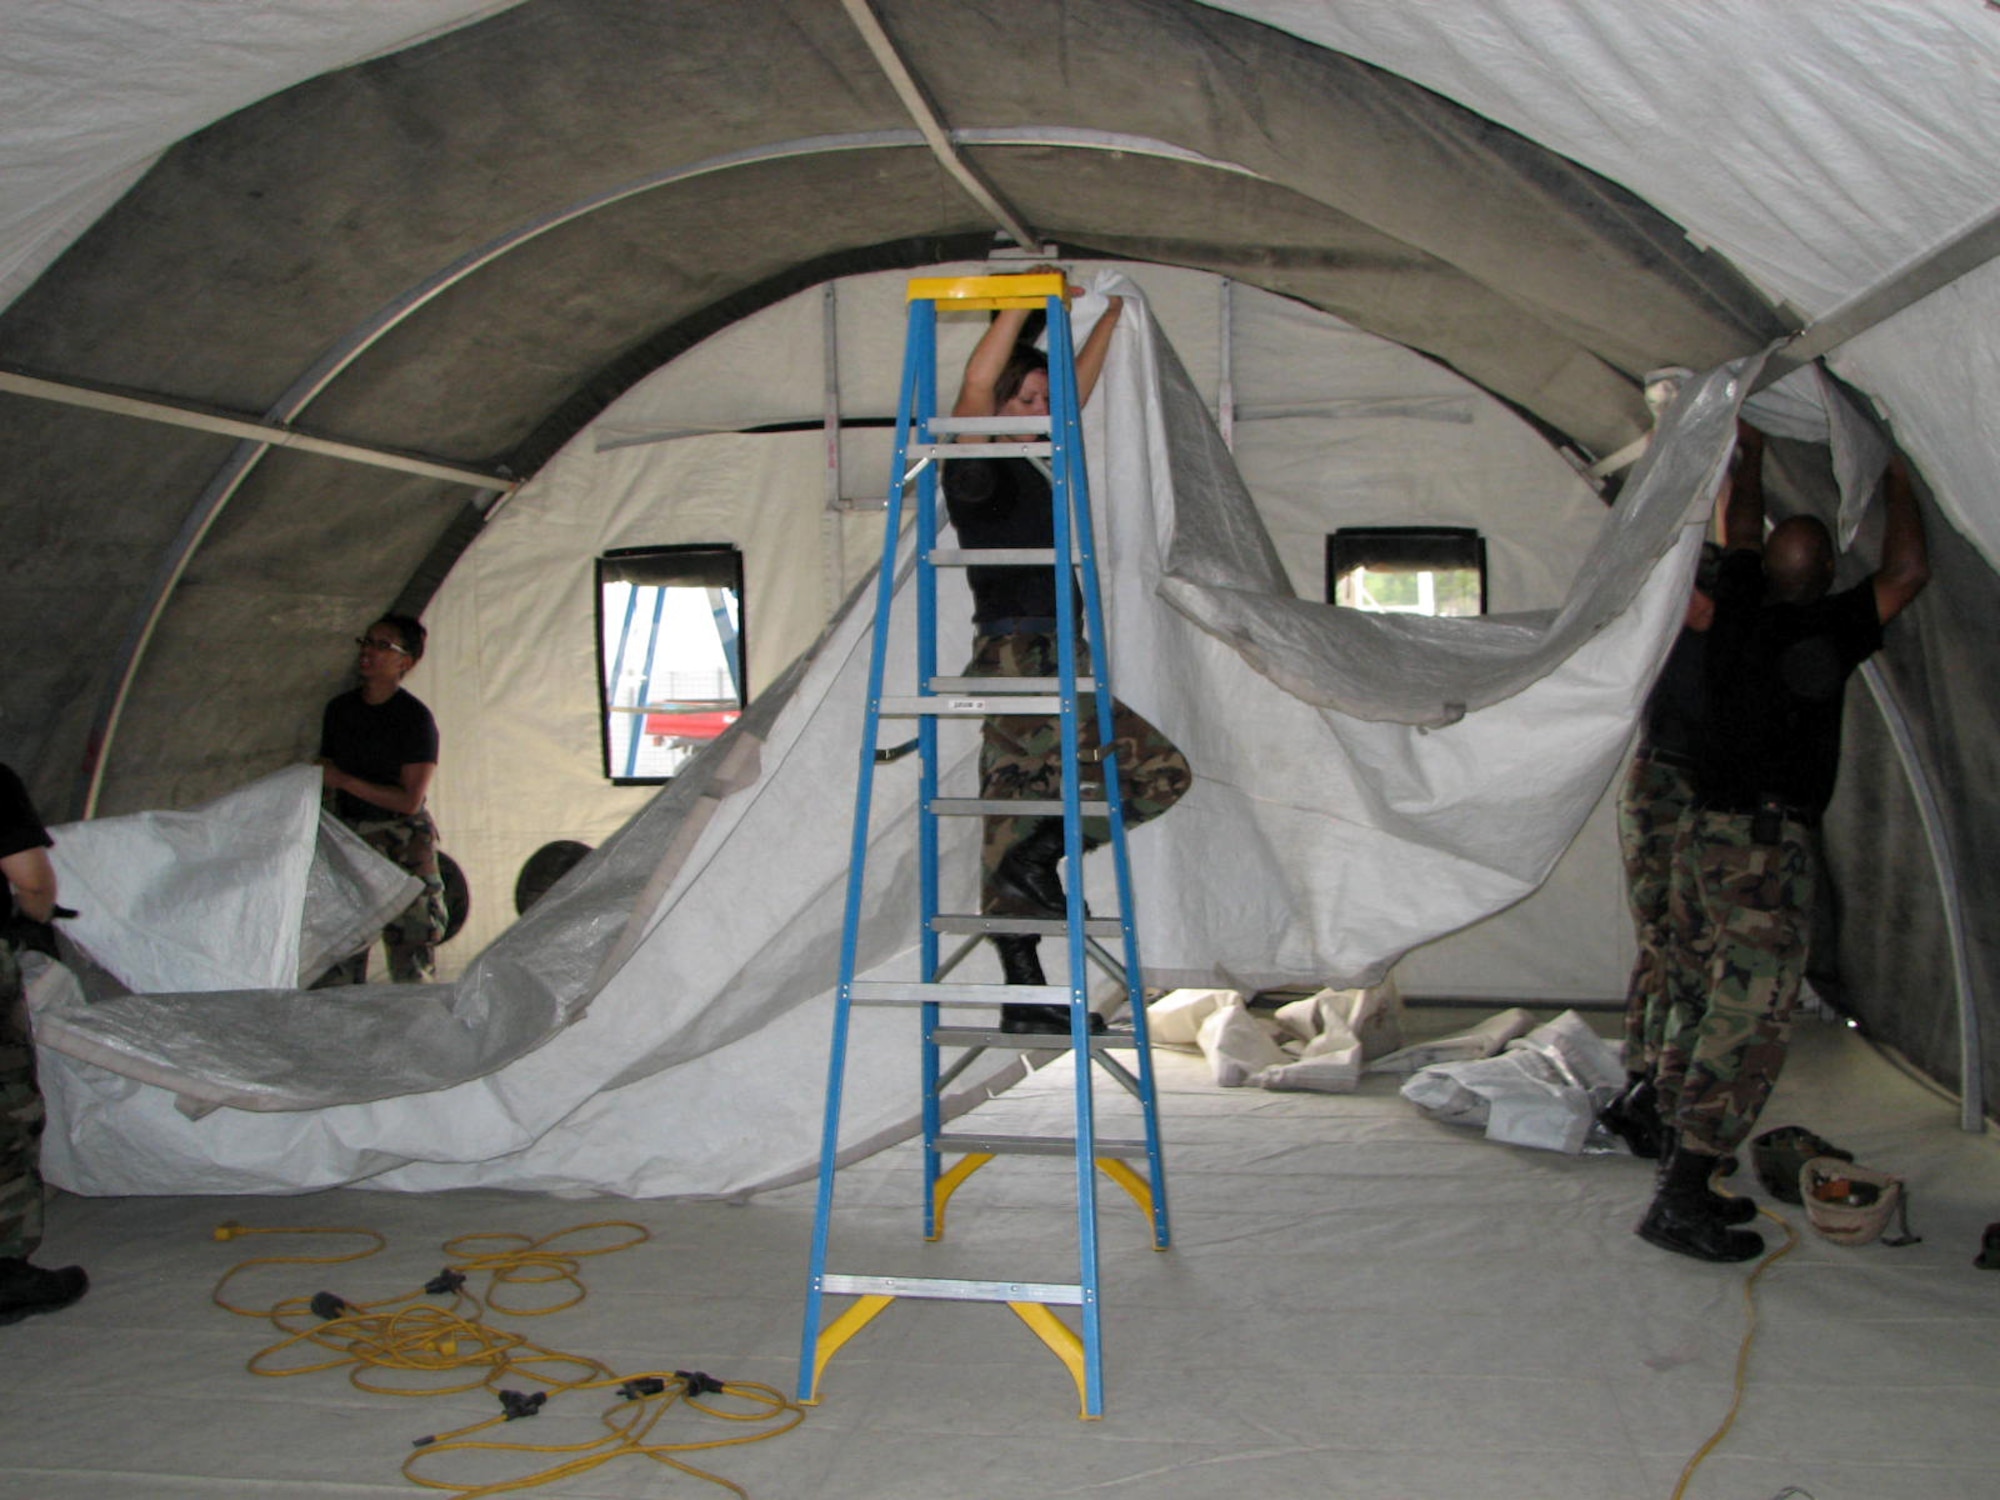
1007 502
378 751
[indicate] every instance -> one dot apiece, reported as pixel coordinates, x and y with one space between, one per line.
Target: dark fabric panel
1942 662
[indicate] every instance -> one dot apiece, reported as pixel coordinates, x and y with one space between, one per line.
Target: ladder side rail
1066 438
885 588
1135 982
928 500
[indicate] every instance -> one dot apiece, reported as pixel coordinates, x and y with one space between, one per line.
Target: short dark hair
1023 362
410 630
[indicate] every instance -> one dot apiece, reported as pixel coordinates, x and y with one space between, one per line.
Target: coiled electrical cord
407 1346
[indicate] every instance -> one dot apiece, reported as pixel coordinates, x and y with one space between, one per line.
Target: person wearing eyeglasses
378 750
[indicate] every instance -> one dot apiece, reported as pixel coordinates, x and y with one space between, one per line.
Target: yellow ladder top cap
984 292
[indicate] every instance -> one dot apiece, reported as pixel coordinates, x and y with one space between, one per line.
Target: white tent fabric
258 889
1314 845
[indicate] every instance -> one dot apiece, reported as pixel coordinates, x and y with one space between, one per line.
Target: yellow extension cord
1742 1353
436 1351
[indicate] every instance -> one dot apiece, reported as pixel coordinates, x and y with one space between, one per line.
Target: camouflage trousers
1741 913
412 936
1653 804
1020 755
20 1120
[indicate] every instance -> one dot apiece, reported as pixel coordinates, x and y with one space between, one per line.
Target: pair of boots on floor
1687 1215
1027 872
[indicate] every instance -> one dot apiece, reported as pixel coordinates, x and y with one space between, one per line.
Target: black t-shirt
20 829
1679 701
1777 675
375 741
1003 502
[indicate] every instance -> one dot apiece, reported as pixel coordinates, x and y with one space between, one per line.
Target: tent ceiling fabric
324 215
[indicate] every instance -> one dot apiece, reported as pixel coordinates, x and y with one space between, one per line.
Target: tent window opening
669 655
1412 570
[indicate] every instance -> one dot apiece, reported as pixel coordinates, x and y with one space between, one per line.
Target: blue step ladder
923 444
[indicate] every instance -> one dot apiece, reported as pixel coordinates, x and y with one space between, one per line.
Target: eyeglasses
370 643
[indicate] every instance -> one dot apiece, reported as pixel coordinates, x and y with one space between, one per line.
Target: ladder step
955 707
1036 1145
1009 807
1001 425
946 451
915 992
992 686
995 557
987 1036
971 922
939 1288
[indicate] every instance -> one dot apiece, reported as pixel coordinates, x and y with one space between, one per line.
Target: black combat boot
1682 1217
1730 1208
1634 1117
26 1290
1021 964
1028 870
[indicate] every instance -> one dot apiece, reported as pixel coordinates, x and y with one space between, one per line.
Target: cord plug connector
698 1382
518 1405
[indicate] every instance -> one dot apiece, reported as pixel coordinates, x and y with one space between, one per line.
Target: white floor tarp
657 1025
1360 1302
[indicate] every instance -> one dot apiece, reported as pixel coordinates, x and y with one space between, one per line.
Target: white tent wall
1333 427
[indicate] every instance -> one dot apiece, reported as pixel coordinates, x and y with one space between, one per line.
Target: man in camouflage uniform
1779 653
27 885
1654 801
